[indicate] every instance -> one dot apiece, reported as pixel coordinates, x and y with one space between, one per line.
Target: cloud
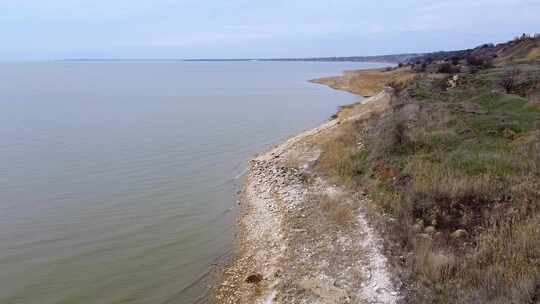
188 28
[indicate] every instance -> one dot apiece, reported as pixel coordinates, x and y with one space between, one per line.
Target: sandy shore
288 250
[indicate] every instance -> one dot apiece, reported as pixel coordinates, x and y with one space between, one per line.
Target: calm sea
117 179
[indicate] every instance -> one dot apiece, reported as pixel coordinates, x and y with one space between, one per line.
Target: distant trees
525 36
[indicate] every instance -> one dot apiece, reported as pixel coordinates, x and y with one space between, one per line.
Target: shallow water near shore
117 179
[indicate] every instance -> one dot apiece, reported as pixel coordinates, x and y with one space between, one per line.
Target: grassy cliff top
453 167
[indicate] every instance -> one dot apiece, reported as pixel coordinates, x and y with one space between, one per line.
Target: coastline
366 83
287 250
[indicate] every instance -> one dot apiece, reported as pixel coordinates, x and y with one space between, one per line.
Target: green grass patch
467 160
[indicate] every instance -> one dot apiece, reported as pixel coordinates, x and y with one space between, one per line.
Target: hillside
426 192
452 168
525 48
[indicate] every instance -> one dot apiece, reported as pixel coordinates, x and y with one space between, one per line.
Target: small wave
241 174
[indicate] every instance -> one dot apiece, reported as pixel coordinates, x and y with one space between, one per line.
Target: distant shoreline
397 58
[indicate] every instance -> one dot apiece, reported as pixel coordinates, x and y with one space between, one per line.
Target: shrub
483 62
420 67
510 79
447 68
475 61
398 86
488 63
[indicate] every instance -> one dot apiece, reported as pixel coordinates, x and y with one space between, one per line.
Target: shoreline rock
288 251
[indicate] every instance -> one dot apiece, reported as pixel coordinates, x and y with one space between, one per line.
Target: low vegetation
368 82
337 209
455 165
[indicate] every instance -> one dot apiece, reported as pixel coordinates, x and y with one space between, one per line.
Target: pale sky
60 29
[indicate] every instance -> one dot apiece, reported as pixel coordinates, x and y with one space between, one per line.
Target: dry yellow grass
534 54
337 210
433 264
337 148
367 82
365 109
434 180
